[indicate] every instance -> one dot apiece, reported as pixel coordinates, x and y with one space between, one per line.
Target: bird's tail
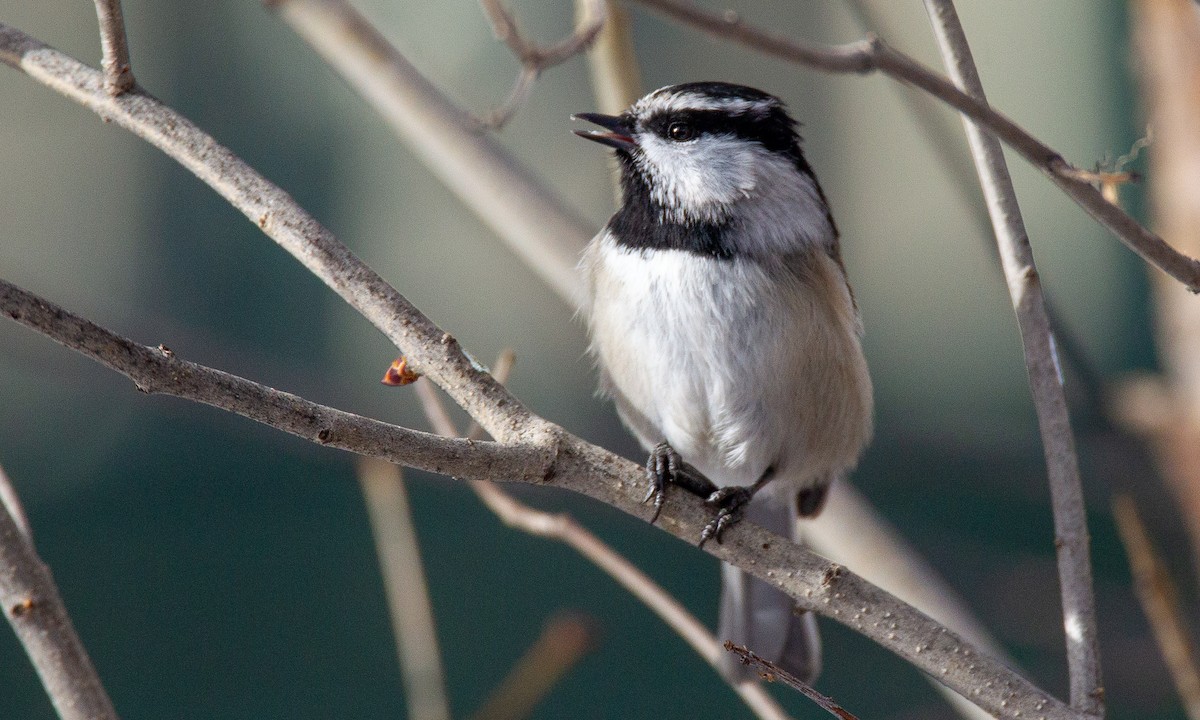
760 617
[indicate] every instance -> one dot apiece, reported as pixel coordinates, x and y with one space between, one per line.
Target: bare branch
565 460
873 54
118 73
158 370
1041 364
36 612
616 78
407 592
428 350
534 221
1160 603
537 58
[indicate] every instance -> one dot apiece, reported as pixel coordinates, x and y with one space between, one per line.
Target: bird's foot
661 468
731 504
664 467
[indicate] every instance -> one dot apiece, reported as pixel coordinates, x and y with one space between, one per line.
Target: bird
726 332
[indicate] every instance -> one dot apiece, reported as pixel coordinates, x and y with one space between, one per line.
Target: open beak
619 133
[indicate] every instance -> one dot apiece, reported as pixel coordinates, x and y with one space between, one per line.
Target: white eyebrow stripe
676 102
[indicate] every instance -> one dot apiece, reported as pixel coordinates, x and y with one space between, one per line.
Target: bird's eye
680 131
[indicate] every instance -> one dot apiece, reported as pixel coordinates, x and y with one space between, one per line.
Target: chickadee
725 329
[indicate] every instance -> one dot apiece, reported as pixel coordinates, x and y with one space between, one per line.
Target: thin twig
873 54
546 232
564 641
118 73
565 460
772 673
1160 602
32 605
1041 364
567 530
535 58
407 592
10 502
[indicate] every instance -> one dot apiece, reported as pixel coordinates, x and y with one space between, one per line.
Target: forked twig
536 58
158 370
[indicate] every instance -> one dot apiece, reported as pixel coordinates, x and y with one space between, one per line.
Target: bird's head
699 149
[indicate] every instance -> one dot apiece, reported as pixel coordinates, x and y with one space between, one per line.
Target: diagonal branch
118 73
429 350
1045 379
158 370
565 639
873 55
33 607
534 221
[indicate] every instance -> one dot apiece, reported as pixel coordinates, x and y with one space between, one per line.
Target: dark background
218 569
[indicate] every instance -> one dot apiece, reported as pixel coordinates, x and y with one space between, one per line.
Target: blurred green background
219 569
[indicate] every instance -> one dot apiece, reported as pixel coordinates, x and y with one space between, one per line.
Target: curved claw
662 467
731 502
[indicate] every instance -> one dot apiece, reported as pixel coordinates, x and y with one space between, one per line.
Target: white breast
740 366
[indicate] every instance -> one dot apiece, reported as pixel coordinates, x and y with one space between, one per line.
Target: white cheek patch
700 178
715 178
